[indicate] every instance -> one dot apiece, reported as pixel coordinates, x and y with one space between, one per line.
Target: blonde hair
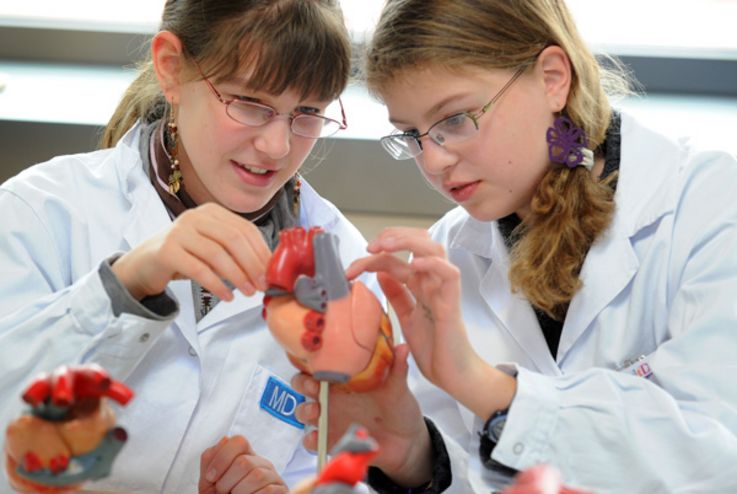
298 44
569 210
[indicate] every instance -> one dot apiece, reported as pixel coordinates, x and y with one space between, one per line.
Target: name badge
281 401
637 366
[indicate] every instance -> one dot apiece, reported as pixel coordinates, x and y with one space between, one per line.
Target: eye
309 110
456 120
246 99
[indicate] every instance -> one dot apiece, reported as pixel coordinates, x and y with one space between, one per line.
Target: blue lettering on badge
281 401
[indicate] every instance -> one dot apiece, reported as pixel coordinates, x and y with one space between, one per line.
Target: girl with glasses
148 256
577 308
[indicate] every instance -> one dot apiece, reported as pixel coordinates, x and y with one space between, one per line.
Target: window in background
691 28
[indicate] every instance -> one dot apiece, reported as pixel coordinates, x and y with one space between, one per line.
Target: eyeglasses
312 125
450 130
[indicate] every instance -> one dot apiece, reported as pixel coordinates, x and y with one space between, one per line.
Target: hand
389 412
425 294
207 244
231 466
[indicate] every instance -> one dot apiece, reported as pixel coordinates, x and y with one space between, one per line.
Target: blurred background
64 66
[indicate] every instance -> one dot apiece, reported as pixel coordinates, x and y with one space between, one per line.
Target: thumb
400 367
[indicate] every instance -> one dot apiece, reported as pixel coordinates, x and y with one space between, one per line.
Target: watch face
495 427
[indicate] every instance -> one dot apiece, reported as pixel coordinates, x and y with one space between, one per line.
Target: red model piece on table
69 436
350 462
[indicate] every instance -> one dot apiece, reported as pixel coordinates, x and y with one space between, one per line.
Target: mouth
254 175
460 192
256 170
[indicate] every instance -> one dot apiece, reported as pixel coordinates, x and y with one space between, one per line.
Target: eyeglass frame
473 116
341 125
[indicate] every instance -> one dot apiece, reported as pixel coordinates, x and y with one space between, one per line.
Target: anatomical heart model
69 435
331 328
335 330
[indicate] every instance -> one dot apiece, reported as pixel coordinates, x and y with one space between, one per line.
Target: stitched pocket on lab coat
266 418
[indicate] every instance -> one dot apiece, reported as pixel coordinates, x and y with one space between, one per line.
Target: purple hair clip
567 144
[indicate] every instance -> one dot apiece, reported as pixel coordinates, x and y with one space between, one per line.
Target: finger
245 248
308 412
309 441
392 232
252 474
243 240
306 385
236 239
205 459
417 241
250 231
436 266
216 257
191 267
385 262
399 297
400 367
229 451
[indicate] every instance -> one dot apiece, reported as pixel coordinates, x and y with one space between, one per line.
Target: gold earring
296 193
175 175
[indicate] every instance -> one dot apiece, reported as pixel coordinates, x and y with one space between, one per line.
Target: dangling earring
567 144
295 193
175 175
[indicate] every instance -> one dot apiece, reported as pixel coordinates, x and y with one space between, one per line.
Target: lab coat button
518 448
144 337
192 352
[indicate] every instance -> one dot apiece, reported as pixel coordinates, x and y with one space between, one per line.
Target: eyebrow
435 108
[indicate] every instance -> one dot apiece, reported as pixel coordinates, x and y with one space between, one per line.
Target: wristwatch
494 426
490 435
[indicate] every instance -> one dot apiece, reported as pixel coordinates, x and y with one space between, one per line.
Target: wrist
486 389
118 267
416 466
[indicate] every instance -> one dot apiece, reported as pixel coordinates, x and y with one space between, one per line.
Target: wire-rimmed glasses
311 125
450 130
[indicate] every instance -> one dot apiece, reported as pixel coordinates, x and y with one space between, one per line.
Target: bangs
286 45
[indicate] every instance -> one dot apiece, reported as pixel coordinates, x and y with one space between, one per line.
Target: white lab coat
661 283
194 382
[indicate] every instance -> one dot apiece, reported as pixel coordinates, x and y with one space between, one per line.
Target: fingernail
211 475
262 283
312 387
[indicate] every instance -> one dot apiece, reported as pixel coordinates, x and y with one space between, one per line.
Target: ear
168 60
556 71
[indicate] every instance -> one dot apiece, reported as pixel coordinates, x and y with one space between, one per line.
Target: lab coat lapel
609 266
612 262
513 312
517 318
148 217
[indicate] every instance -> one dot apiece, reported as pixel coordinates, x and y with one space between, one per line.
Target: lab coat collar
648 164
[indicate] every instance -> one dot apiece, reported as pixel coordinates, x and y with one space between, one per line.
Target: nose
274 137
435 159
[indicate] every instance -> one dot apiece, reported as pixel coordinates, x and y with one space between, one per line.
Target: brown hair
300 44
569 209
